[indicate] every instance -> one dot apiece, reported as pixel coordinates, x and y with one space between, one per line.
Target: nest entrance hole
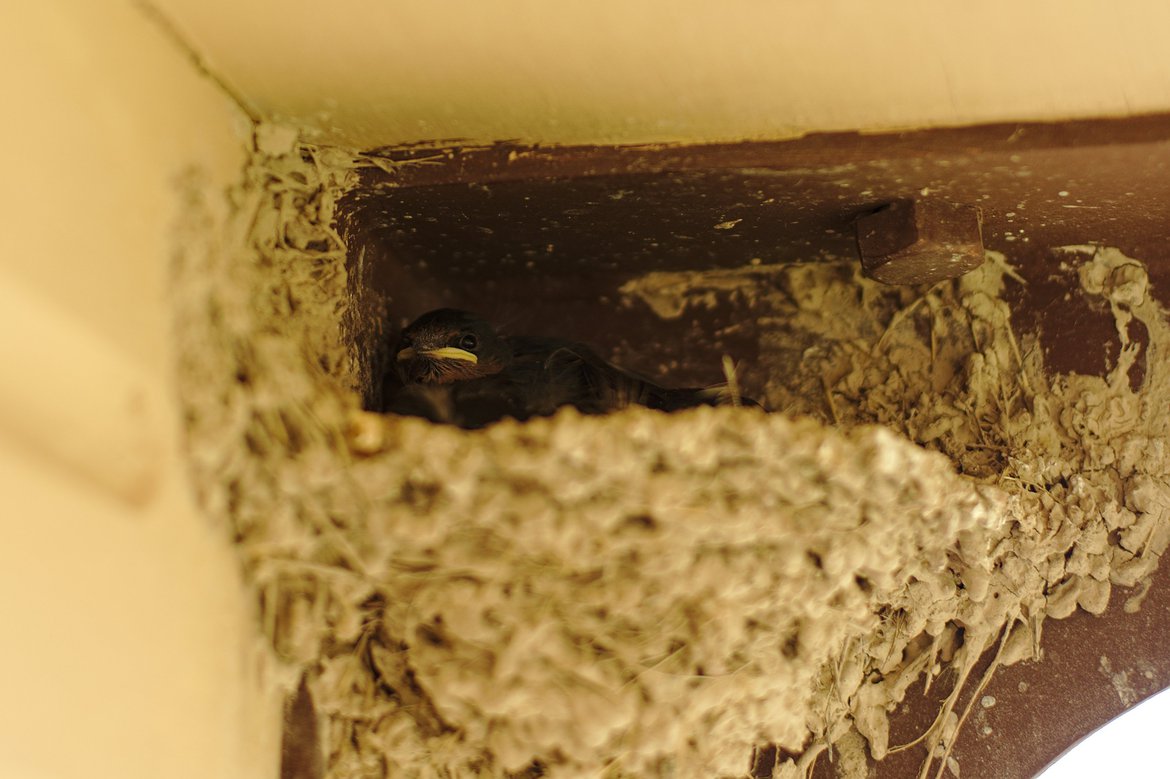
550 254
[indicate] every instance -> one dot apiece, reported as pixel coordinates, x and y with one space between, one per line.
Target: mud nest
645 594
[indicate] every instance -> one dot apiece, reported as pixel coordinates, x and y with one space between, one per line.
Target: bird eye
468 342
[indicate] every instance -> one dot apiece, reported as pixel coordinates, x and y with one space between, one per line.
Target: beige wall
127 648
621 71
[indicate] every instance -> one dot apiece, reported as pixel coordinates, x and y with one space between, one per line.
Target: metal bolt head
920 241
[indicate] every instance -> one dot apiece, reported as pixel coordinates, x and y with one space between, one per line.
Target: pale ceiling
370 74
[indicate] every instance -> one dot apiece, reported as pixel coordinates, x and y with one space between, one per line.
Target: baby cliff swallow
452 366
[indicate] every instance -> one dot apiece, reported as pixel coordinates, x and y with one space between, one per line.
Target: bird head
449 345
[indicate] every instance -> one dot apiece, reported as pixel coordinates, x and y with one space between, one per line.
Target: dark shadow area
540 240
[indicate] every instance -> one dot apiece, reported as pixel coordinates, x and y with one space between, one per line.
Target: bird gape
452 366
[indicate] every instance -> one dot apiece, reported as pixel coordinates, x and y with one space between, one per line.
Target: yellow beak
443 353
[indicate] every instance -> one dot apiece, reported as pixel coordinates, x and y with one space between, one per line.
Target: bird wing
544 375
573 374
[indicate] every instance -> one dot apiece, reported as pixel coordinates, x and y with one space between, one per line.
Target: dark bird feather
452 366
